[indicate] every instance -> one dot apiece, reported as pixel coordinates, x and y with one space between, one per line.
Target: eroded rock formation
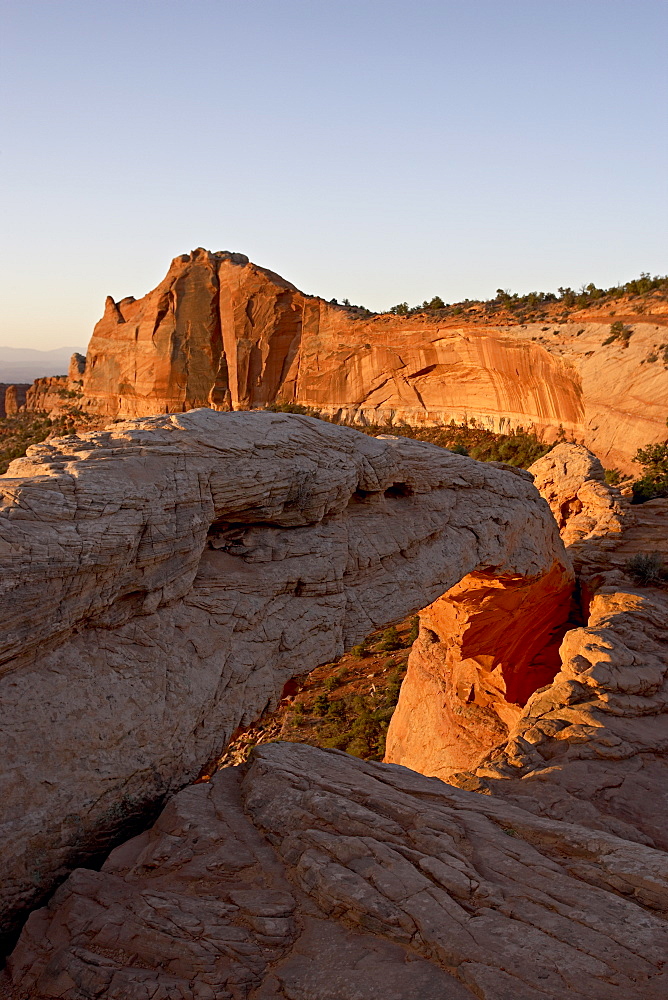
311 875
572 480
482 651
12 397
49 395
222 332
589 746
15 397
593 747
163 579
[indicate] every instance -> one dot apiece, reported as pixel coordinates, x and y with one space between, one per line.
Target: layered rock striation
588 743
220 331
310 875
163 579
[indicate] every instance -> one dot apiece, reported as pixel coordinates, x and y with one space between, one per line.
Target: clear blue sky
376 149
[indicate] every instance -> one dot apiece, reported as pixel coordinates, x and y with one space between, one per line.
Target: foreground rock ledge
163 579
311 875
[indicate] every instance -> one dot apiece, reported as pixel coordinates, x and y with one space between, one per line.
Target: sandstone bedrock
536 873
310 875
587 742
164 578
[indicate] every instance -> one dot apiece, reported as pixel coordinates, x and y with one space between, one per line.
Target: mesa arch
164 578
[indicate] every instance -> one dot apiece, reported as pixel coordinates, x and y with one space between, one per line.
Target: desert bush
613 477
321 704
646 569
18 432
389 641
306 411
654 483
619 331
298 713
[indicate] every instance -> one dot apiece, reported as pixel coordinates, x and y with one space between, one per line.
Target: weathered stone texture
482 650
591 744
163 579
15 398
12 397
592 748
311 875
47 395
572 480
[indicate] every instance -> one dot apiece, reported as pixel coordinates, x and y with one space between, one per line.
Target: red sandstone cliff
222 332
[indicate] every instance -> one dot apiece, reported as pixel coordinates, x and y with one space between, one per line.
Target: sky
377 150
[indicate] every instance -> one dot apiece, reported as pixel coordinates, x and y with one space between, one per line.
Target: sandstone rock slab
163 579
311 875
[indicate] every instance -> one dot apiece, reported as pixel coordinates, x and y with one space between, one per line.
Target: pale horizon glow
375 150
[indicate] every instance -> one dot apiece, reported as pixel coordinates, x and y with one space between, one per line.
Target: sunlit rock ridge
220 331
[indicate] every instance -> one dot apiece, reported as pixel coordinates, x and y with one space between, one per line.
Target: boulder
572 480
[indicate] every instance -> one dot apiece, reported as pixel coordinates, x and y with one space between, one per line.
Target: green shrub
654 459
619 331
20 431
306 411
647 569
321 705
613 477
389 641
298 713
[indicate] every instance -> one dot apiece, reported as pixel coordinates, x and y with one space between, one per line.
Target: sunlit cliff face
219 331
222 332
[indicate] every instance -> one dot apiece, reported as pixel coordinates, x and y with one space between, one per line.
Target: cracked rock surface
311 875
163 579
592 747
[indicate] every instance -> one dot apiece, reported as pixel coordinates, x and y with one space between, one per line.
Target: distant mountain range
24 364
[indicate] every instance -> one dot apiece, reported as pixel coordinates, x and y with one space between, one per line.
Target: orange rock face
587 743
488 644
222 332
483 649
48 394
